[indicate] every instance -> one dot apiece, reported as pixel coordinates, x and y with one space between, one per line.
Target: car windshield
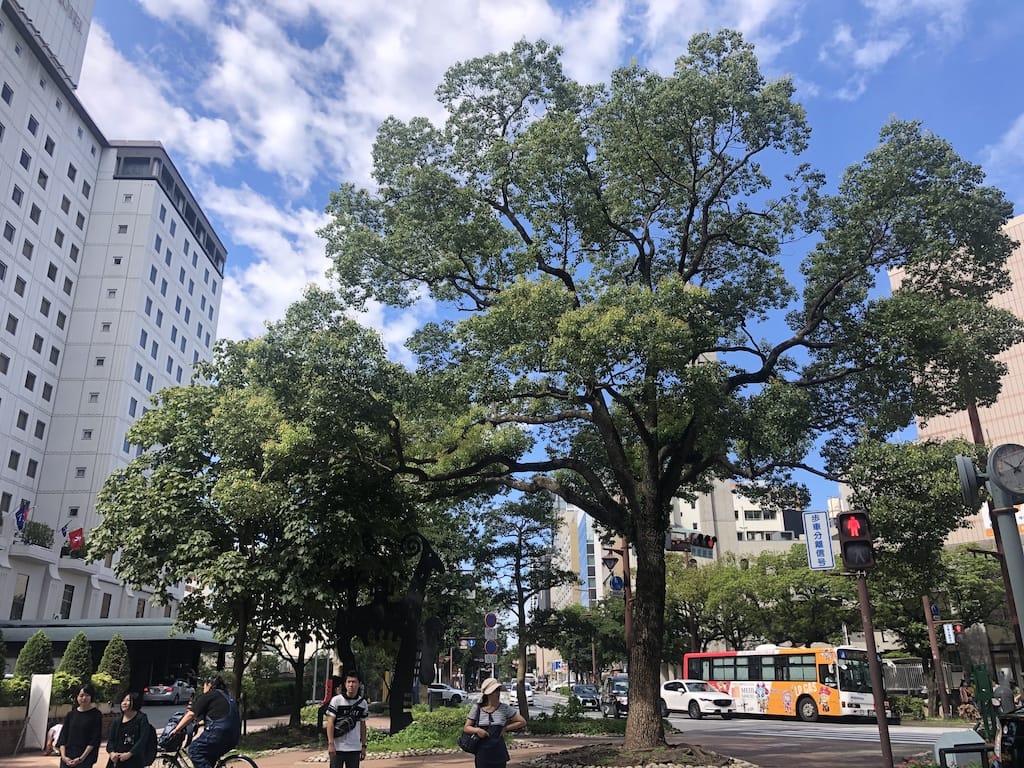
586 689
698 687
622 687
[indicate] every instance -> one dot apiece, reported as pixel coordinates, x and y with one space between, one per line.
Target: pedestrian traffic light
855 540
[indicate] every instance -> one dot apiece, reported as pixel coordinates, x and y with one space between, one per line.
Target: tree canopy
643 308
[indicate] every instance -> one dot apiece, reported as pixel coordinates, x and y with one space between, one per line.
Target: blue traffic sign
617 583
490 646
491 619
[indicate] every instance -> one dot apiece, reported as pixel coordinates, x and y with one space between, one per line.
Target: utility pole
877 690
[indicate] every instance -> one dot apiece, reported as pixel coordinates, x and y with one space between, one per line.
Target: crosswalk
904 735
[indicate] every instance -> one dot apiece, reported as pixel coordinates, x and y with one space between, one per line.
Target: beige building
1002 422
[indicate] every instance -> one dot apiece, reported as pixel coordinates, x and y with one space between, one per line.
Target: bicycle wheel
236 761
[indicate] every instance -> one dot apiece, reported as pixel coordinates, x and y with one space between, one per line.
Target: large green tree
641 308
268 486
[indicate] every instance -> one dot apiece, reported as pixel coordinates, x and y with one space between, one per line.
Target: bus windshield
854 674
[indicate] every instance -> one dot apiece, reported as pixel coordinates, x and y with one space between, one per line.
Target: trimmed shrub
14 692
36 657
115 662
77 659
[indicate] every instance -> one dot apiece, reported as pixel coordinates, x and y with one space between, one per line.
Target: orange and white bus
808 683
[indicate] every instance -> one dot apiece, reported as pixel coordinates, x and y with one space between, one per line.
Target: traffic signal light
855 540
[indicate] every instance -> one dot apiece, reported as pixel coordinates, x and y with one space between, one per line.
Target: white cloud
128 101
941 18
193 11
1004 161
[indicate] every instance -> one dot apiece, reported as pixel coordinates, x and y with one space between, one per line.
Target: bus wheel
807 709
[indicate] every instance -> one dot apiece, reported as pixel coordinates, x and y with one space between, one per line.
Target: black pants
345 760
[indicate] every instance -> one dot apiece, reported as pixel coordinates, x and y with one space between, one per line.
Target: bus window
827 675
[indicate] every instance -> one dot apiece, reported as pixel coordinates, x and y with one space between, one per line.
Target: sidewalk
307 758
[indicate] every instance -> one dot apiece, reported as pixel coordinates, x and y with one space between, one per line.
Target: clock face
1006 467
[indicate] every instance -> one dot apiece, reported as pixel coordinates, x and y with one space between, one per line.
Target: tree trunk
644 726
299 666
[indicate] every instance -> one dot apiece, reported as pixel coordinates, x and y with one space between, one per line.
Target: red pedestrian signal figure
856 545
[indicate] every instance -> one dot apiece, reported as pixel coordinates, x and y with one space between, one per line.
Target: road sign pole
875 668
940 679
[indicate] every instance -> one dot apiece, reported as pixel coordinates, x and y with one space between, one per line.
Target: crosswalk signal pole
877 685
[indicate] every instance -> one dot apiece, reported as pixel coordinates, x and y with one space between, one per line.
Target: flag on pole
21 516
76 539
64 530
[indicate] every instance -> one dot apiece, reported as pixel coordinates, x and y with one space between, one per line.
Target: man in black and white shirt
346 725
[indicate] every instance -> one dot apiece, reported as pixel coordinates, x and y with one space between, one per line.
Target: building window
105 606
149 382
148 306
154 350
5 502
58 237
21 422
17 194
27 249
51 272
127 197
9 231
30 381
105 327
7 93
122 229
33 124
140 609
31 468
100 361
26 159
80 220
174 227
111 293
42 179
159 318
133 406
49 145
19 285
66 600
54 355
13 460
138 372
143 338
65 203
5 363
40 429
44 307
79 472
61 320
163 213
47 391
86 189
37 343
72 171
12 325
87 434
20 588
73 252
117 261
34 213
68 286
158 244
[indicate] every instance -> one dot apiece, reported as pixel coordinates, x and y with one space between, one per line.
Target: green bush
108 689
558 723
115 663
77 658
14 692
911 707
65 688
264 698
36 657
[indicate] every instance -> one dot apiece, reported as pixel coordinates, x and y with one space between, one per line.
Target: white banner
38 711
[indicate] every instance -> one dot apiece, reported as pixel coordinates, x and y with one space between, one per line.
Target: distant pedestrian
332 687
79 739
965 697
51 739
490 719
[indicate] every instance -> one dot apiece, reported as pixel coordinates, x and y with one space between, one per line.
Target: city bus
809 683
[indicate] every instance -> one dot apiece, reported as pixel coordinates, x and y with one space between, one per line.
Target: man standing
346 724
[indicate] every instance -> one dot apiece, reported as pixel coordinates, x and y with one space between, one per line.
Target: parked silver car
168 691
449 696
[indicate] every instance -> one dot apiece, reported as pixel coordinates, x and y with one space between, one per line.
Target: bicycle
179 759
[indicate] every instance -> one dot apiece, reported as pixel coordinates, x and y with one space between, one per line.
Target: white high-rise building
110 287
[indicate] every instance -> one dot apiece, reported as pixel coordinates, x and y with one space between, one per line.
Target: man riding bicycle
222 724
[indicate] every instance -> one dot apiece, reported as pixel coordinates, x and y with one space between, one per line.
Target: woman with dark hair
79 740
129 734
489 720
222 724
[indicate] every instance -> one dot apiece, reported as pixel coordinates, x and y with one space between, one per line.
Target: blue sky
268 105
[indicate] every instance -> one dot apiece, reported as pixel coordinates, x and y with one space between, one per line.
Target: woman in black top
79 740
128 734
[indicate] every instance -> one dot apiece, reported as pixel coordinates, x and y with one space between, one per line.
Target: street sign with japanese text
818 534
